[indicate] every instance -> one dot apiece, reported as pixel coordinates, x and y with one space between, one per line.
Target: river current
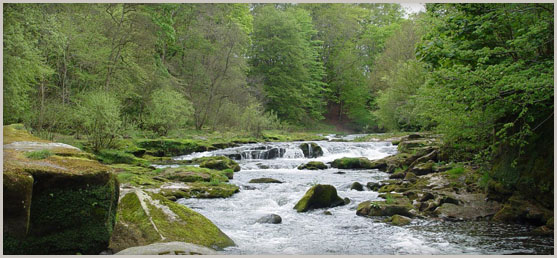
342 232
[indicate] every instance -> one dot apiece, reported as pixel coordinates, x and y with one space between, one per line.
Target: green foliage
39 154
492 80
397 103
99 113
168 110
284 55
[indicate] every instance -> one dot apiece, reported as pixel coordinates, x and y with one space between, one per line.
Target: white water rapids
342 232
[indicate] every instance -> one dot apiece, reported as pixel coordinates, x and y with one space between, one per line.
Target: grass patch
39 154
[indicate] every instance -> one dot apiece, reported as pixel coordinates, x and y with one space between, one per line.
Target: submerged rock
311 150
145 218
265 180
270 219
48 201
168 248
313 165
319 196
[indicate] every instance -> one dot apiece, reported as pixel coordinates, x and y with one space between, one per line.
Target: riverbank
404 178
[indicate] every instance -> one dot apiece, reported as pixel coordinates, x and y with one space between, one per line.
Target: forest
478 75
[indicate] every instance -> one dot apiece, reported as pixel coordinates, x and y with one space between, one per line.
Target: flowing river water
342 232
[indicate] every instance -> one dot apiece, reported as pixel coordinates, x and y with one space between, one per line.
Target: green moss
18 189
38 154
119 157
172 147
193 174
399 220
218 163
203 190
16 133
313 165
182 224
319 196
72 219
353 163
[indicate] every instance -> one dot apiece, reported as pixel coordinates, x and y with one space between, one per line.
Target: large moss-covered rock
193 174
18 190
73 199
319 196
217 163
400 206
313 165
145 218
311 150
200 190
519 210
353 163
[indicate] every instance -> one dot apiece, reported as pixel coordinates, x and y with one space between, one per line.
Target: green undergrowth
38 154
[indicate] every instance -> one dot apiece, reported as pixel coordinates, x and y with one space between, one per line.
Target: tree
285 56
168 110
100 119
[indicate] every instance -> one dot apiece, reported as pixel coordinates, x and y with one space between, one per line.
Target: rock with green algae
520 210
200 190
319 196
399 220
217 163
73 200
265 180
400 206
423 168
311 150
145 218
353 163
313 165
193 174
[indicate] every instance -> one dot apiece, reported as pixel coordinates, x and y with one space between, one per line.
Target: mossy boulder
72 199
193 174
265 180
400 206
139 176
409 176
270 219
357 186
217 163
411 145
520 210
145 218
319 196
423 168
313 165
18 190
353 163
399 220
201 190
311 150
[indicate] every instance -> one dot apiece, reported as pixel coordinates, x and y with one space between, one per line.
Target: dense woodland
480 74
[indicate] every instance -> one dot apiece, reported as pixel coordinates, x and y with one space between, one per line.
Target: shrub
168 110
99 113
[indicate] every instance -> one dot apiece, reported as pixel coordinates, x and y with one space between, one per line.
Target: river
343 232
